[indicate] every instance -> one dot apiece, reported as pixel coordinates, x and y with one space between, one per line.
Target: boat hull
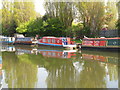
48 44
101 48
23 42
101 43
56 45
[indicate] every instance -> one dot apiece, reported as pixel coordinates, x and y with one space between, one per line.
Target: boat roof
49 37
100 38
23 37
54 37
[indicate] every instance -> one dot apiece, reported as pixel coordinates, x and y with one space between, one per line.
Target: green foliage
62 10
78 31
91 13
14 14
22 28
21 17
8 23
118 24
50 27
23 12
35 27
111 15
54 27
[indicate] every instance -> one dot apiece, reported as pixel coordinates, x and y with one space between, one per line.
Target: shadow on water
30 67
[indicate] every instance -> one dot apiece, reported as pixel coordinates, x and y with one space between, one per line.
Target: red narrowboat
57 41
106 43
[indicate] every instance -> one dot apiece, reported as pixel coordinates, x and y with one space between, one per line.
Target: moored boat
7 40
20 39
101 43
57 41
25 41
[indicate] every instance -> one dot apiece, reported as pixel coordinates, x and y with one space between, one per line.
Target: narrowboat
57 41
101 43
7 40
21 39
25 41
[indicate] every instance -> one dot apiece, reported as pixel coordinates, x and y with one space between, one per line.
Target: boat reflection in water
85 55
41 67
44 52
7 48
108 58
58 53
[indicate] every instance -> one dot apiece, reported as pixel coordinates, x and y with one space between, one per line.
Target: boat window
48 40
44 40
53 40
58 41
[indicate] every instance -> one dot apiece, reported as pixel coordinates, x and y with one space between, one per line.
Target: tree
23 28
118 22
54 27
61 10
15 13
8 23
24 11
111 15
91 14
35 27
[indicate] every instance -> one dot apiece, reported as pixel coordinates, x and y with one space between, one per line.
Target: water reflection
28 67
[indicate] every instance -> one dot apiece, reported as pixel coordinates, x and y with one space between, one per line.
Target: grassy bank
78 41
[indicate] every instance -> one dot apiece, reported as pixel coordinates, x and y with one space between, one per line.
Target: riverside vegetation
73 19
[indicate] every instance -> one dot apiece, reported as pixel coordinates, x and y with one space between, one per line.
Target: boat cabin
111 42
55 41
23 40
7 40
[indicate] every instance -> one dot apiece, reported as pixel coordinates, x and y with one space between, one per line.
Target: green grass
78 41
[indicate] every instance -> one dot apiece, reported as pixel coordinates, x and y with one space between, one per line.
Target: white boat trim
69 45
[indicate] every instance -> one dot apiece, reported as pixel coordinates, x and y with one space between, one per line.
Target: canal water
50 67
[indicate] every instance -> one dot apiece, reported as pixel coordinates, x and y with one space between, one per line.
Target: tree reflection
64 75
20 72
112 72
61 75
92 76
